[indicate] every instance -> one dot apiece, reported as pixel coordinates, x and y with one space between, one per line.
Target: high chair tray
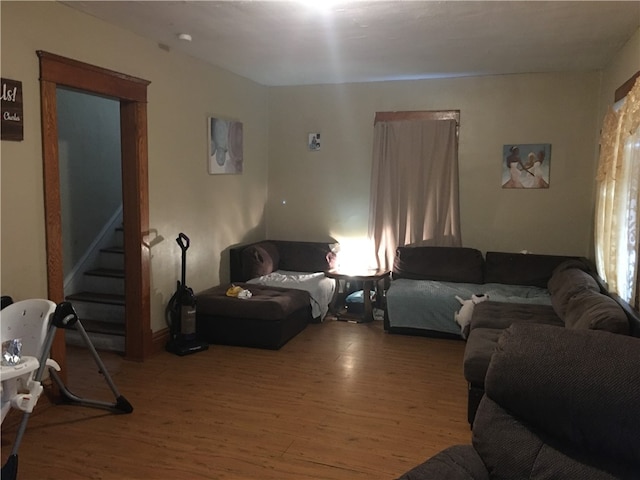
26 365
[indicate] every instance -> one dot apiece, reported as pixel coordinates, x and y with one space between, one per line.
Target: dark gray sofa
578 302
421 299
273 315
560 403
576 299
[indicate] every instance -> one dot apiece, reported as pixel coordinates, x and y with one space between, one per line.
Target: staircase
99 301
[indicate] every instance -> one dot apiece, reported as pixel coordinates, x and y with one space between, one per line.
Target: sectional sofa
561 291
426 280
288 291
560 404
579 301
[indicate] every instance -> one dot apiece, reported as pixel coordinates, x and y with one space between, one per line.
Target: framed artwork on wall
526 165
314 141
225 146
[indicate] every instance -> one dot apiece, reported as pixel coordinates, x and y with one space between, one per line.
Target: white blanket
319 286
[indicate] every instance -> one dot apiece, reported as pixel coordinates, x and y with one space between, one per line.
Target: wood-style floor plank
339 401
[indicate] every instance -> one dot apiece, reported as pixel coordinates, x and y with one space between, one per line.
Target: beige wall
329 189
215 211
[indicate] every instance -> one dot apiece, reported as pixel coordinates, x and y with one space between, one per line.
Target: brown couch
560 403
444 272
578 299
579 302
273 315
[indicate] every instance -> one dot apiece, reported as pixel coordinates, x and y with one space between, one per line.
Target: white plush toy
463 317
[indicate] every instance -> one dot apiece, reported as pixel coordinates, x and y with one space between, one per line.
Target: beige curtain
414 186
618 188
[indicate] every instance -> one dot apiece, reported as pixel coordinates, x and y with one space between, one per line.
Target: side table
371 279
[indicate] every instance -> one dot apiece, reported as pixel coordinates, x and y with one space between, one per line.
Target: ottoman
269 319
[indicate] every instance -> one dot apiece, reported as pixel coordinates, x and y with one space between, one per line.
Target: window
618 196
414 182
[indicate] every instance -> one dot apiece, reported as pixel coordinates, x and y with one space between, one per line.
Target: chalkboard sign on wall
12 122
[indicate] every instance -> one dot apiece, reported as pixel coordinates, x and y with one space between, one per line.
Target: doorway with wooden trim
131 92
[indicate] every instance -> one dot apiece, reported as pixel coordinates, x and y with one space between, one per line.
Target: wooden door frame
132 93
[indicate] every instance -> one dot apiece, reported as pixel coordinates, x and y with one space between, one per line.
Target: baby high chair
27 330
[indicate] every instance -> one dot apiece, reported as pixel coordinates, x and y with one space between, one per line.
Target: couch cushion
595 311
305 256
446 264
510 449
521 268
566 282
259 259
501 315
267 303
477 353
577 389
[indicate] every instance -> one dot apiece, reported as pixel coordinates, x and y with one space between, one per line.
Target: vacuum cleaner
181 313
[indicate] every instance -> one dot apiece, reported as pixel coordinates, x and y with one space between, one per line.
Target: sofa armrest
632 315
579 387
460 462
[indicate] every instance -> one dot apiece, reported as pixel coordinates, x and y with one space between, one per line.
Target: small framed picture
225 146
314 141
526 166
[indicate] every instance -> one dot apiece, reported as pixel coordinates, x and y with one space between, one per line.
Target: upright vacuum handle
183 241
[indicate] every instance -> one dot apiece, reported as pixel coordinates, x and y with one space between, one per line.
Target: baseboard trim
159 340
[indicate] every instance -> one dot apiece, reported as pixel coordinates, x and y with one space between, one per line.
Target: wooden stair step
113 249
94 297
107 328
106 272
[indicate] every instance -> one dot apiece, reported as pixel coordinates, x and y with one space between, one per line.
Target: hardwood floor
339 401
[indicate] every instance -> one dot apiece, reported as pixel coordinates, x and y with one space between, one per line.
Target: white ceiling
294 43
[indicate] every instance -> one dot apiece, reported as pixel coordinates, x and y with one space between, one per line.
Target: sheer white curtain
617 207
414 183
